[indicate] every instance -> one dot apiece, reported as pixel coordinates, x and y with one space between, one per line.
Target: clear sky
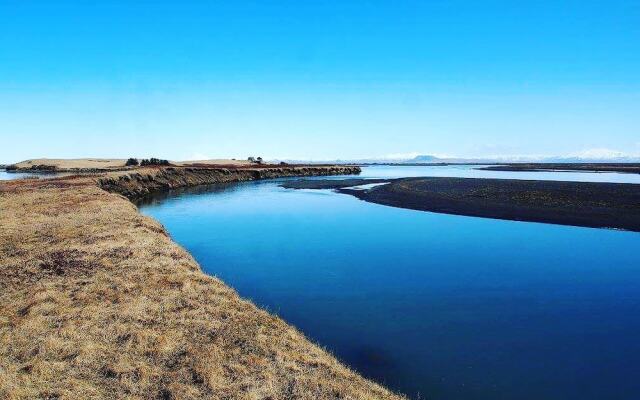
317 79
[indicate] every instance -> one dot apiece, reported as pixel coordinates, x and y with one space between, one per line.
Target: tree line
146 161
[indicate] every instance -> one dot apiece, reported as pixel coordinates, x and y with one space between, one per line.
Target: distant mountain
582 158
425 159
591 156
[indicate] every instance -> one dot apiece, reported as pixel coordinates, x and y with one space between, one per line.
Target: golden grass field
97 302
80 163
113 163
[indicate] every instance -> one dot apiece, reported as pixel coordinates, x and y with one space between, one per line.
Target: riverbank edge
141 183
98 301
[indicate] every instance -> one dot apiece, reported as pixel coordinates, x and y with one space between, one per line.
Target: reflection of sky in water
472 171
365 187
5 176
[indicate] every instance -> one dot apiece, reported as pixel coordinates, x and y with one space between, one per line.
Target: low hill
106 164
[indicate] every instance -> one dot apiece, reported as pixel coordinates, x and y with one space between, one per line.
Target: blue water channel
431 305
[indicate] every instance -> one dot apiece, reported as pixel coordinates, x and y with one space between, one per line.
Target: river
432 305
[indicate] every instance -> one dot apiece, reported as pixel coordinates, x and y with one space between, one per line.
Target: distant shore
632 168
598 205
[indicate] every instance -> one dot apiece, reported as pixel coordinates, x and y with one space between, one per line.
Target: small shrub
153 161
43 167
131 162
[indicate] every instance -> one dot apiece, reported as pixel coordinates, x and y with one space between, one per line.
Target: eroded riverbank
147 181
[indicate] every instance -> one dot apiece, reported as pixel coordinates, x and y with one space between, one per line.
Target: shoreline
98 301
628 168
146 181
586 204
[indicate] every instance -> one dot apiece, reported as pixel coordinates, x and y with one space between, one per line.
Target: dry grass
80 163
96 301
113 163
215 162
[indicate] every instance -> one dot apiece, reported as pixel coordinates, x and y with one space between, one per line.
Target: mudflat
598 205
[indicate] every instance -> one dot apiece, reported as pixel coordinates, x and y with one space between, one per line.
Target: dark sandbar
598 205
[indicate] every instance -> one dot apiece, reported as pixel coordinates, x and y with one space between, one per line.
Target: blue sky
317 79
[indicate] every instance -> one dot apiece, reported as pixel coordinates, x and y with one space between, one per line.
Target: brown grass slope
70 164
96 301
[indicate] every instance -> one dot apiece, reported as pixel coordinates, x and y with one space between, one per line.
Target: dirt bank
139 183
97 301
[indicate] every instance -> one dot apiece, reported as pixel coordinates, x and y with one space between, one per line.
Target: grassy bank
105 164
97 301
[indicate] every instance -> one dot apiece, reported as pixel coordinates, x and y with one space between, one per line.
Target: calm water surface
6 176
435 306
471 171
